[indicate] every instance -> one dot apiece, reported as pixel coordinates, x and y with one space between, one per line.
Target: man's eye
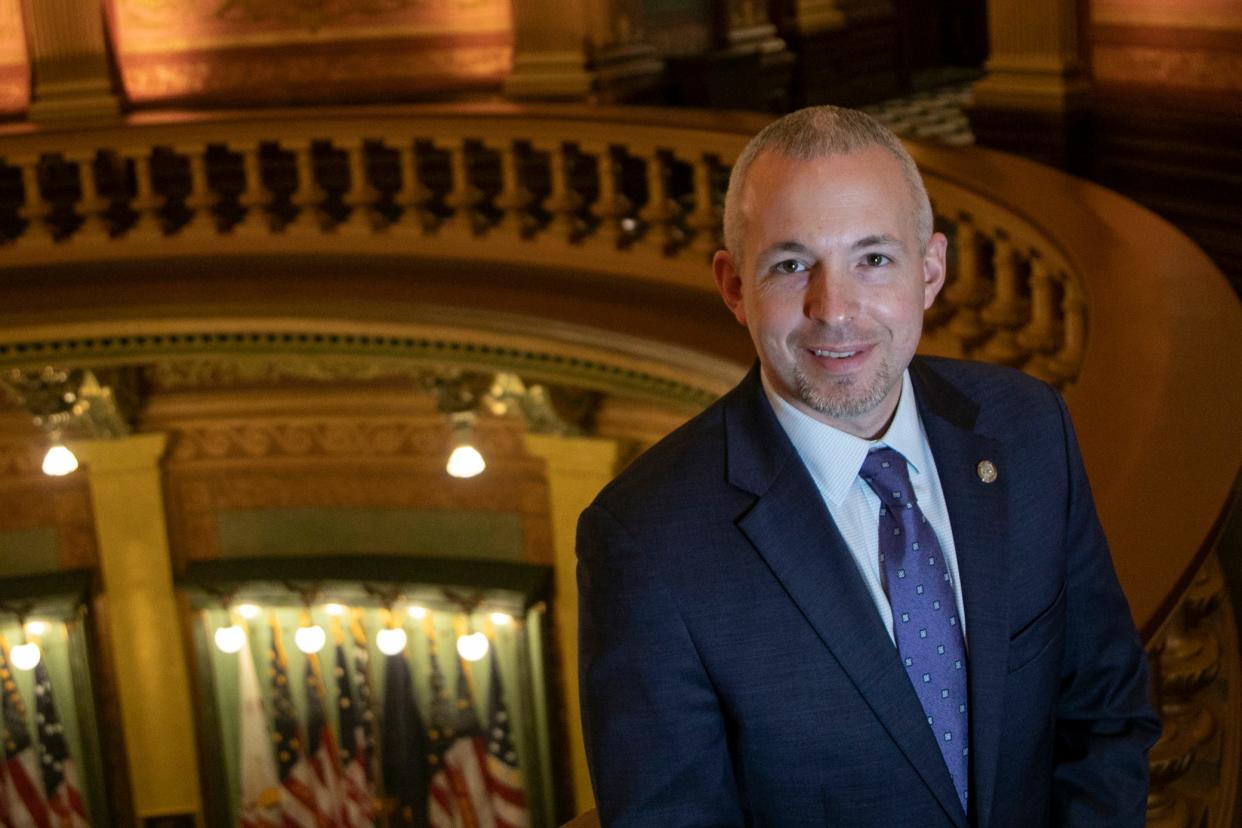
789 266
876 260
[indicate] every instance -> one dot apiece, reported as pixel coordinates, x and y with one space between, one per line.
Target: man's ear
729 283
934 268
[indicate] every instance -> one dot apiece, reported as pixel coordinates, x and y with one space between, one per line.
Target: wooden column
152 674
577 468
1033 98
69 73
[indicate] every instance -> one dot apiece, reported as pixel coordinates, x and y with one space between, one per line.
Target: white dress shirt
834 459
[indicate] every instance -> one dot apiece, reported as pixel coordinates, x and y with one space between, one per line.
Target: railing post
307 197
200 200
610 206
463 196
562 202
145 203
513 197
968 291
705 217
360 197
1006 310
91 207
659 211
34 209
413 197
254 198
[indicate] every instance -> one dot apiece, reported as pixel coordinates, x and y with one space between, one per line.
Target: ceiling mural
224 52
14 70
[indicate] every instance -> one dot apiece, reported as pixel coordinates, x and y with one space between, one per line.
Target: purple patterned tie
925 622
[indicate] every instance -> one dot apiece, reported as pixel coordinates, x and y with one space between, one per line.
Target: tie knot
886 473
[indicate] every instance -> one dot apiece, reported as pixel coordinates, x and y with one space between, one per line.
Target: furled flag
260 784
459 796
297 798
504 779
321 747
404 746
23 783
364 699
356 797
60 778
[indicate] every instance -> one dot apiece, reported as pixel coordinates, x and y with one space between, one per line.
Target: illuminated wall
224 52
1189 44
14 69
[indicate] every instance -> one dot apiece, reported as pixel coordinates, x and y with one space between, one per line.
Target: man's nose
830 297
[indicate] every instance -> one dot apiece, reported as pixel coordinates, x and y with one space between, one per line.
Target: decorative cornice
205 358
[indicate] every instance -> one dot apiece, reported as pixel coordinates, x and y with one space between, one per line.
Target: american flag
356 798
364 698
321 747
503 775
60 779
23 798
260 784
297 797
459 796
404 748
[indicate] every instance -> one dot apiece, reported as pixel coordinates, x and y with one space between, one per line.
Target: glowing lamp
230 639
472 647
390 641
310 639
59 461
25 656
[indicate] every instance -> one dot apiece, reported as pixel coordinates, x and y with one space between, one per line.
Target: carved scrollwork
1195 664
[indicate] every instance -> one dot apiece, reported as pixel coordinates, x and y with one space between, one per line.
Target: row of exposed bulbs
311 638
464 461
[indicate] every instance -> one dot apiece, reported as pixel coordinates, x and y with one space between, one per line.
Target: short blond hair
812 133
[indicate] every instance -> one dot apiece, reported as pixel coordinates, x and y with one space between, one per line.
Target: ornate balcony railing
594 192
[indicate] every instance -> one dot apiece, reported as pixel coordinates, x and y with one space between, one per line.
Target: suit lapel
979 517
790 527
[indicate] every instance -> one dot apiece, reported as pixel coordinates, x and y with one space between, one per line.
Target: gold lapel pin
986 471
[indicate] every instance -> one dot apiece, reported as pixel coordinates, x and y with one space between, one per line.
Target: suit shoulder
684 461
992 386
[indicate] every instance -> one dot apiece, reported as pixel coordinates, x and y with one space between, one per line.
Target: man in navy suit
744 653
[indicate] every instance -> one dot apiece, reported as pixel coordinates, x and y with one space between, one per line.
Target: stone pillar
69 73
1033 98
151 670
577 468
581 49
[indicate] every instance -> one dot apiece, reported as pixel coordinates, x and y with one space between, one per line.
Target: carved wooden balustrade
639 200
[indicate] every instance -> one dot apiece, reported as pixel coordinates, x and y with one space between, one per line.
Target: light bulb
35 628
502 619
417 612
390 641
248 611
25 656
335 609
230 639
310 639
472 647
465 461
59 461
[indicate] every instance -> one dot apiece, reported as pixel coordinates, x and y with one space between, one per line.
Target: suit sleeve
655 735
1105 723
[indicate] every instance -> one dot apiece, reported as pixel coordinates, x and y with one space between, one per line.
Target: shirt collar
834 457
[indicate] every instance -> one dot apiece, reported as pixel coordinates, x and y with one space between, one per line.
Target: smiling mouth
820 352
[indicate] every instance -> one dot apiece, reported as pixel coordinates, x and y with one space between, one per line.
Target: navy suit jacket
734 670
